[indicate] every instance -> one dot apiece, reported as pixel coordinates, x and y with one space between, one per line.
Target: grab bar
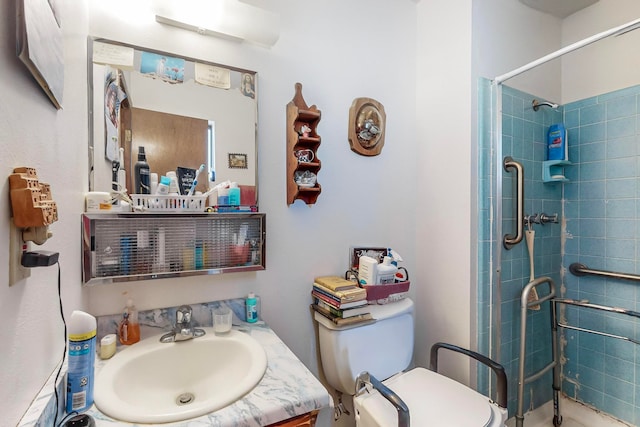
498 369
511 240
587 304
365 378
578 269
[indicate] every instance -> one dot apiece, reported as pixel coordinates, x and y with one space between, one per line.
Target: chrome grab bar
511 240
578 269
587 304
365 379
497 368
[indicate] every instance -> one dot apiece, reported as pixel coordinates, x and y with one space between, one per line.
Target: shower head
537 104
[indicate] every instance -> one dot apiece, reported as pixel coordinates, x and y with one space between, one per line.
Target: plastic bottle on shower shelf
557 147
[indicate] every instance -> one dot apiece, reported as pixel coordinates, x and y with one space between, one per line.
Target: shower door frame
495 277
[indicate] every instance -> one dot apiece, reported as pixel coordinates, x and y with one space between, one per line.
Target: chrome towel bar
578 269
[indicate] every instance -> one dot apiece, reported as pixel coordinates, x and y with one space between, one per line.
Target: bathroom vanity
288 394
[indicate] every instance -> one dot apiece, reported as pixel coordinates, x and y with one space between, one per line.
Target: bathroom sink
154 382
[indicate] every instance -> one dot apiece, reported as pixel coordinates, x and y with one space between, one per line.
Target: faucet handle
183 314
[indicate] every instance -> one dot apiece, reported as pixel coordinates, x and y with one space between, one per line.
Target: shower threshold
574 414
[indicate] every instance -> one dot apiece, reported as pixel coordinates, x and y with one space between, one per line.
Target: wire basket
169 203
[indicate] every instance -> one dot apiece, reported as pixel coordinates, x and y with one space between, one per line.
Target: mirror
184 112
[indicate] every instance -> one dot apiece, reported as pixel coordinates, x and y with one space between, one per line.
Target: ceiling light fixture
231 20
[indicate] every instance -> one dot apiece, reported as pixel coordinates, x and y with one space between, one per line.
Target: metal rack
124 247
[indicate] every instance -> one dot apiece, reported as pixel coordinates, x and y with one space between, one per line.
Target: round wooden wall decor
366 126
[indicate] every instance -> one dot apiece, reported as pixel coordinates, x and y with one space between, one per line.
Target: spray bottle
82 350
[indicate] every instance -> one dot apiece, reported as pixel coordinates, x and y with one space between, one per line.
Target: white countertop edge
288 389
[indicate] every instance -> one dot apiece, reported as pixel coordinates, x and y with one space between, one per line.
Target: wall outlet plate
16 271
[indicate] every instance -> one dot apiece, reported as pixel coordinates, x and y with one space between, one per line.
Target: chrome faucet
183 330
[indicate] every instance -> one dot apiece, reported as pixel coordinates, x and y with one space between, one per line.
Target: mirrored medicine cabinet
185 112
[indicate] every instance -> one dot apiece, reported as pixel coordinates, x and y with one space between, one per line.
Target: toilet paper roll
98 201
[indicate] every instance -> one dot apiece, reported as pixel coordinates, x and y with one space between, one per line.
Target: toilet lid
433 399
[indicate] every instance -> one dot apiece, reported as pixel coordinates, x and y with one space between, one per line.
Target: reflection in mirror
184 112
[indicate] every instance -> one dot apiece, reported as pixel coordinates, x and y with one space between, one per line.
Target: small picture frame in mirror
237 161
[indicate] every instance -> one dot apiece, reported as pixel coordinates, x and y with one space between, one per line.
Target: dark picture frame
237 161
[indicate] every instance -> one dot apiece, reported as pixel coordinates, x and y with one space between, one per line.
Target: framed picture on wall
237 161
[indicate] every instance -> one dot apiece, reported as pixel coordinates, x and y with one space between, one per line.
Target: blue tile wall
523 137
601 211
599 205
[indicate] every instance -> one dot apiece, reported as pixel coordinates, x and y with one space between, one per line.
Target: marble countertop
288 389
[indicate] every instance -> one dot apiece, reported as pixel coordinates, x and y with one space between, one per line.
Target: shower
537 104
557 246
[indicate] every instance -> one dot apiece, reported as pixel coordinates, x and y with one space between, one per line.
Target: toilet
384 349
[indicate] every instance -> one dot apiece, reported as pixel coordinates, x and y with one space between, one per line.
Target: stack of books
339 300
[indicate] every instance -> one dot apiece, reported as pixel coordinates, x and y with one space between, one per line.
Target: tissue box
383 294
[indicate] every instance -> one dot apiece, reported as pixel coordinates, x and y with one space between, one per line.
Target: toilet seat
433 399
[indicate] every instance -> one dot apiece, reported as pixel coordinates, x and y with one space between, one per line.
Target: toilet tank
382 348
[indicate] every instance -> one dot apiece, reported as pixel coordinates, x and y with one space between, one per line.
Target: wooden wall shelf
299 114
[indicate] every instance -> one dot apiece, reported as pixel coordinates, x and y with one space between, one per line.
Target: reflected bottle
142 174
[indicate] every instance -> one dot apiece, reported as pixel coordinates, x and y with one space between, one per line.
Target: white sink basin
150 381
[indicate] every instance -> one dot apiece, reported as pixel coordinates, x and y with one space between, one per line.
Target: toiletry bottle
82 352
174 189
129 330
234 194
163 185
142 172
153 188
557 148
252 308
107 346
199 255
223 196
386 271
122 174
367 270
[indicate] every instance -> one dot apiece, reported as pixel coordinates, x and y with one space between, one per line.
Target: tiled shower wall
602 202
523 139
602 228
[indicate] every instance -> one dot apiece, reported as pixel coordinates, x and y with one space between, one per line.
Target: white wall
457 44
34 133
340 51
444 309
507 35
606 65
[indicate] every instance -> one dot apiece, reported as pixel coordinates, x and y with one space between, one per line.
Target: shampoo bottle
252 308
129 330
82 352
557 147
142 174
